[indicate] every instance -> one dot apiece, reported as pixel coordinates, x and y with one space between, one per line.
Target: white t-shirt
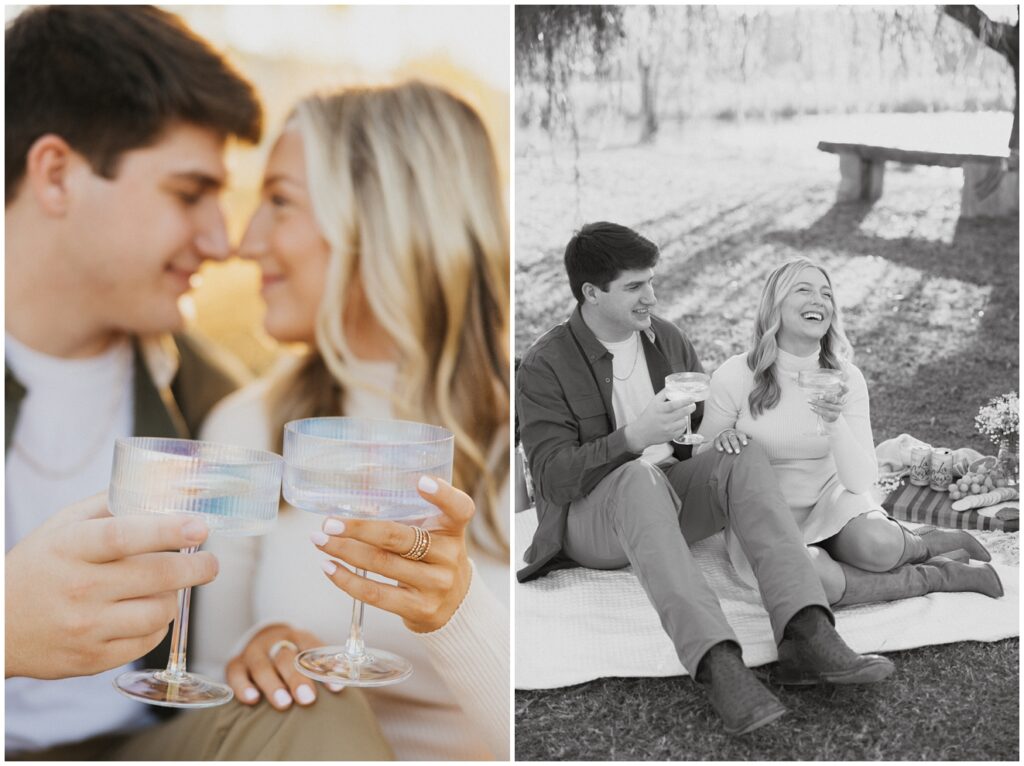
60 453
632 390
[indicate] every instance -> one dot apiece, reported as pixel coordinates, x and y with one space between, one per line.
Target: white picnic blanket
576 625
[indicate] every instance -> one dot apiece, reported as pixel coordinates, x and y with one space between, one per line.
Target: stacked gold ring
420 545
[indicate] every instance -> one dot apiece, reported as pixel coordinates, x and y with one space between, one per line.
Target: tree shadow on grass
980 252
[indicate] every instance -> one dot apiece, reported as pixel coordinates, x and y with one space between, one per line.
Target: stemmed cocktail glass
234 490
362 468
691 387
820 383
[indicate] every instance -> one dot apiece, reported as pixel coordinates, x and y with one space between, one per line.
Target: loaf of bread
986 499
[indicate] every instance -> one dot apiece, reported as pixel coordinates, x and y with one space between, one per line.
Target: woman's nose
253 243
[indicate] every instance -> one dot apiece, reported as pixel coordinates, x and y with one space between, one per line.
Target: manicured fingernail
334 687
305 695
282 698
334 526
250 694
319 538
329 566
194 530
428 485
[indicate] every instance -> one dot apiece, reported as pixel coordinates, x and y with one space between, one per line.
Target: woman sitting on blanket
383 243
860 553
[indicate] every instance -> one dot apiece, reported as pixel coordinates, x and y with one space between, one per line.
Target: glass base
158 687
689 439
373 668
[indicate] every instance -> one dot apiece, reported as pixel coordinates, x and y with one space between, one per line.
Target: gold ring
277 646
420 545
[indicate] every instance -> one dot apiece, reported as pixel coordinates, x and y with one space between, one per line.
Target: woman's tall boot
921 544
937 575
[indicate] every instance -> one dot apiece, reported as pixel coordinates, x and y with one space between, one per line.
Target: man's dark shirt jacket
567 423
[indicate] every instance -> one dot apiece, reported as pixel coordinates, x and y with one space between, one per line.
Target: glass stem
686 428
354 647
179 633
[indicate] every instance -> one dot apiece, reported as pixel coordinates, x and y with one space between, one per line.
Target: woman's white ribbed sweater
825 479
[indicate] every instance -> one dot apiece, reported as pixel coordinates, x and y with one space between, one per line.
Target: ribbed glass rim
687 375
443 434
229 454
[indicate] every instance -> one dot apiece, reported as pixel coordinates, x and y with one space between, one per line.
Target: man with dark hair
116 120
612 489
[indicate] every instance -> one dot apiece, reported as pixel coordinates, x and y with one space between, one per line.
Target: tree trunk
648 106
1000 37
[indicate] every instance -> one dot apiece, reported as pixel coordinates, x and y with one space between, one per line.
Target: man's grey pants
647 517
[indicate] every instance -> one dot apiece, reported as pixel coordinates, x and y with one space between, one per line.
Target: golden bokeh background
288 52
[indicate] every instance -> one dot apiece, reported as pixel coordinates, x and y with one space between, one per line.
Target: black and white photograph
766 394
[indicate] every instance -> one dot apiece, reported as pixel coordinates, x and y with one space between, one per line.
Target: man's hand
661 421
87 592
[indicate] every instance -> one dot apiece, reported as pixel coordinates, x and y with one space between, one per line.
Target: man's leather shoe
742 701
812 652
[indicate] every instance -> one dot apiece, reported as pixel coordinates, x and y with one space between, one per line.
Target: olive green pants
337 727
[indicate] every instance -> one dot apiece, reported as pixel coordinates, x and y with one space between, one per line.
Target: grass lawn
954 702
931 304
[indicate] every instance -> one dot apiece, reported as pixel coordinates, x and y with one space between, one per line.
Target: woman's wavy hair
835 347
406 190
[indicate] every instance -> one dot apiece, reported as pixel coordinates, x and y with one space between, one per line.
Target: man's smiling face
135 240
624 307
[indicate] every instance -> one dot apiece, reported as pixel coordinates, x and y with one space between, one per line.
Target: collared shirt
567 421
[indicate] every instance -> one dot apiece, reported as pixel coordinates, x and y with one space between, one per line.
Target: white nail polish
329 566
250 695
428 485
282 698
334 687
305 695
319 538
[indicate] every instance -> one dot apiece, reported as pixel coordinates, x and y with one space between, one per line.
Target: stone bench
991 182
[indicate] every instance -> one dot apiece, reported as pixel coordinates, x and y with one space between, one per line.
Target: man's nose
649 297
212 237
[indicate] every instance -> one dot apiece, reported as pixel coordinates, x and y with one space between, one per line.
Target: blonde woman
382 239
860 553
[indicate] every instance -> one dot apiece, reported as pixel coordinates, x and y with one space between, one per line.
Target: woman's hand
255 672
730 440
429 590
830 406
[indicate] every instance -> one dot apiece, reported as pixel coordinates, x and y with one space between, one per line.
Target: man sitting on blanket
613 490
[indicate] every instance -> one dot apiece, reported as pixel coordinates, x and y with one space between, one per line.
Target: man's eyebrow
205 181
278 177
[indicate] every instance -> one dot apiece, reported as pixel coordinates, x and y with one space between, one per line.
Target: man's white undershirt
632 390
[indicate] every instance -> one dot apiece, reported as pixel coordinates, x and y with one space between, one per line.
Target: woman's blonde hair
835 347
405 188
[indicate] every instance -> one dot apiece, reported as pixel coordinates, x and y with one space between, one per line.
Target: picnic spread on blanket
577 625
